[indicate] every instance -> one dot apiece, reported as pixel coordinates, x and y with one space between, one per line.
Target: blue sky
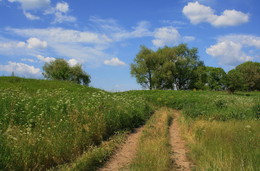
104 36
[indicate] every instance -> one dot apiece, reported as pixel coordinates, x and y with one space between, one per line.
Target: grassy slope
48 123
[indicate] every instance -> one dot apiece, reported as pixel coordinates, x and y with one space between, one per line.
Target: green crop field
45 124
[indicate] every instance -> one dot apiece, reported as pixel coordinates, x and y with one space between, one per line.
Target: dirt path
178 146
124 154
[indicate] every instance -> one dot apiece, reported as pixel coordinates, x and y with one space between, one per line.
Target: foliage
144 67
250 72
59 69
235 81
167 68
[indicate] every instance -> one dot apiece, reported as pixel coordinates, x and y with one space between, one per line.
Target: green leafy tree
59 69
251 74
215 78
144 67
235 81
186 63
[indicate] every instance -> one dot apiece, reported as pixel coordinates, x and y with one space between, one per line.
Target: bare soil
179 149
125 154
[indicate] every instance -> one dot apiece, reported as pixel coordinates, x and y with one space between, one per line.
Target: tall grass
230 145
43 125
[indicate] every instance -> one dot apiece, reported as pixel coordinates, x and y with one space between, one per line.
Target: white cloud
28 60
245 40
228 53
117 33
230 49
60 18
31 43
198 13
62 7
114 62
73 62
169 36
166 36
36 43
60 13
63 35
21 44
31 16
45 59
32 4
21 69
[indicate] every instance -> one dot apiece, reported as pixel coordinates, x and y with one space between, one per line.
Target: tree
187 61
167 68
235 81
251 74
59 69
215 78
143 67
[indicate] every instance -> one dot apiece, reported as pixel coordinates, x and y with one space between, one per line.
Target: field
50 124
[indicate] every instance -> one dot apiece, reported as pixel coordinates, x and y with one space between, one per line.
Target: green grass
230 145
207 105
153 152
96 156
49 123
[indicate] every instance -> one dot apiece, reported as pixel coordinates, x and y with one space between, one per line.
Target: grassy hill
46 123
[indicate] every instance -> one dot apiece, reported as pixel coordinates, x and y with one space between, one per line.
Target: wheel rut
125 154
179 150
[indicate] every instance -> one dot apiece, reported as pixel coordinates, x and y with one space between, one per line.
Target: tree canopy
60 69
180 68
167 68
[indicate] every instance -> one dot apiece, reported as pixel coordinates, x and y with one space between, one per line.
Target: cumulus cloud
169 36
21 69
198 13
31 16
32 4
228 53
230 49
31 43
166 36
114 62
36 43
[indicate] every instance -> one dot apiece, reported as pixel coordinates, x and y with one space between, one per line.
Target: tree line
179 68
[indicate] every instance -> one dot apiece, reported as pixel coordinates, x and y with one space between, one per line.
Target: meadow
45 124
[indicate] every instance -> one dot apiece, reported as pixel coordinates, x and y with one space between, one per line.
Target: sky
105 35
